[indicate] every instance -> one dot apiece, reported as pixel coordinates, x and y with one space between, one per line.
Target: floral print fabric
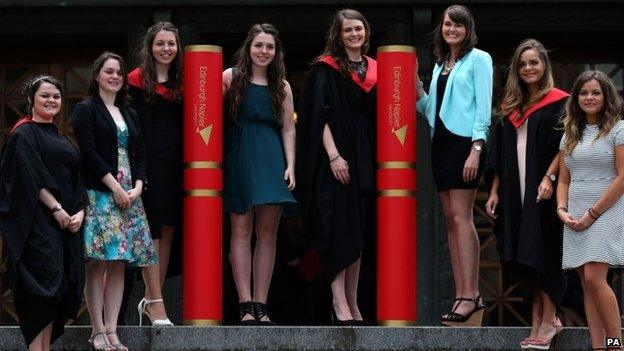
111 233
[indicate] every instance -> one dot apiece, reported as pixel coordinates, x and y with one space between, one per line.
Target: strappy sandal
117 345
106 346
473 319
262 310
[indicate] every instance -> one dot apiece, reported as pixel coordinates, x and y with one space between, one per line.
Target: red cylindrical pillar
203 183
396 185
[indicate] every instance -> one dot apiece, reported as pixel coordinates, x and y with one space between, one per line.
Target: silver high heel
142 308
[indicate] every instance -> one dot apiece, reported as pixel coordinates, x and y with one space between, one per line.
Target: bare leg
536 313
267 222
549 319
352 277
95 272
467 244
596 328
39 342
46 336
240 255
595 286
94 294
445 200
113 293
164 252
36 344
339 298
153 285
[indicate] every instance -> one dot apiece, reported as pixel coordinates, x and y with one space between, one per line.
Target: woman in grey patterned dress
589 198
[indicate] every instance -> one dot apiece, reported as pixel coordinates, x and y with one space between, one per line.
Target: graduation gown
161 128
334 212
529 234
45 260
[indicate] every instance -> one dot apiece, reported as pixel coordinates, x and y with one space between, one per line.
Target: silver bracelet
420 85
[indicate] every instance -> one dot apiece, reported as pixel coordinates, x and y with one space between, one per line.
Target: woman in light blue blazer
458 109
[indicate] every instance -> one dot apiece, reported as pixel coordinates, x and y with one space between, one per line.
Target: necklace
359 67
447 68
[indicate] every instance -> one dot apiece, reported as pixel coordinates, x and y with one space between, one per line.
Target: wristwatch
552 177
477 147
57 207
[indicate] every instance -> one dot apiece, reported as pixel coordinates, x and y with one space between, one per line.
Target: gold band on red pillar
203 183
396 186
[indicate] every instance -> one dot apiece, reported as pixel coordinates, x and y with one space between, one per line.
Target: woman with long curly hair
589 198
522 166
258 172
336 153
155 88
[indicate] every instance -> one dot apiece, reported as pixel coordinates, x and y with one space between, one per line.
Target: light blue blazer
467 105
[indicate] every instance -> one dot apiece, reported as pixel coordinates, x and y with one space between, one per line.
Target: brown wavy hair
147 64
575 119
458 14
276 73
121 99
333 44
516 94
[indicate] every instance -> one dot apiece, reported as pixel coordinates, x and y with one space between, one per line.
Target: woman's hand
62 218
544 190
471 166
121 198
490 205
135 192
289 177
76 221
340 169
585 222
566 218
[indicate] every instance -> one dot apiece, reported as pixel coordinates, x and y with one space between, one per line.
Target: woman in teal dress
116 232
259 164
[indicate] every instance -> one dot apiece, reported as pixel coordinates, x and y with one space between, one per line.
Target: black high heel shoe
340 323
262 310
247 308
473 319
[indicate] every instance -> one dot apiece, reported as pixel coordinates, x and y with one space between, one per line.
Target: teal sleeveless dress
254 157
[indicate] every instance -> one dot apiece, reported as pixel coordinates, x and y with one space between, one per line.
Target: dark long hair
458 14
32 85
333 44
276 72
574 121
147 64
121 99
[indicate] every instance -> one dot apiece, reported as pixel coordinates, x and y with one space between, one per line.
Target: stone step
307 338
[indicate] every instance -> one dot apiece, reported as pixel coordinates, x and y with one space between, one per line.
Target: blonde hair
516 92
575 120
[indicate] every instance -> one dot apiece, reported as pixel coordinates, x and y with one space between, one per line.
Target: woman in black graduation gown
522 167
155 88
42 205
335 154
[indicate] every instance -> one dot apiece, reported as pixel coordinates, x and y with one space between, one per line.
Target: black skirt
448 156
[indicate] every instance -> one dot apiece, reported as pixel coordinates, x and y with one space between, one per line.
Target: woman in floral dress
116 230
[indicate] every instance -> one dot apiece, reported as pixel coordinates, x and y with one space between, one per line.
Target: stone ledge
307 338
